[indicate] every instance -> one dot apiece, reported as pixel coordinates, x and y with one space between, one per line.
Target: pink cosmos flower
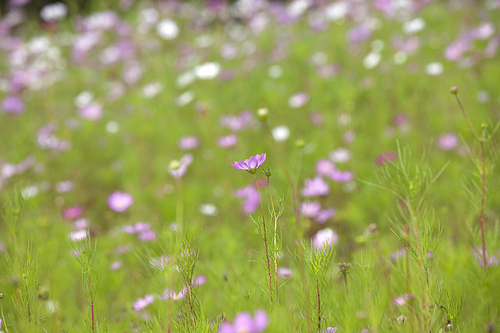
388 156
251 198
143 303
179 168
490 259
447 141
188 142
325 237
251 164
72 213
298 100
236 123
310 209
285 273
120 201
13 105
331 330
403 299
227 141
171 294
244 322
315 187
92 111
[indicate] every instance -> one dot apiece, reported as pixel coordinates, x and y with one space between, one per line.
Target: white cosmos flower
413 26
167 29
434 68
207 71
54 12
371 60
281 133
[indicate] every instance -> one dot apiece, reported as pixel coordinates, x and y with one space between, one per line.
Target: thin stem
466 116
265 240
319 304
3 316
345 282
483 199
91 302
275 216
180 206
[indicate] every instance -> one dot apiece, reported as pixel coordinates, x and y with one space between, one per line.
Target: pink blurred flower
72 213
92 111
315 187
236 123
120 201
143 303
285 273
171 294
188 142
251 198
447 141
227 141
244 322
179 168
116 265
388 156
325 237
13 105
298 100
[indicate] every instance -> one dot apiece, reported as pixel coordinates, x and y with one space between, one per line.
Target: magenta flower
188 142
251 164
331 330
243 322
143 303
159 263
310 209
383 158
72 213
120 201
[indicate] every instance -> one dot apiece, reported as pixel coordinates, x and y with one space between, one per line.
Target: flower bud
174 165
454 90
262 113
300 143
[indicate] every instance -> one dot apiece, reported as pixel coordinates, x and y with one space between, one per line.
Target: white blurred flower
167 29
208 209
54 11
281 133
371 60
185 79
413 26
207 71
434 68
84 98
112 127
275 71
340 155
152 89
78 235
185 98
29 192
336 10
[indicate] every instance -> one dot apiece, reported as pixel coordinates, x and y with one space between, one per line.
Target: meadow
246 167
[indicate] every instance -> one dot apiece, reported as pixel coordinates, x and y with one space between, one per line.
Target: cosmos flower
244 322
251 198
251 164
298 100
72 213
227 141
188 142
315 187
143 303
490 259
325 237
402 299
13 105
120 201
236 123
179 168
171 294
447 141
285 273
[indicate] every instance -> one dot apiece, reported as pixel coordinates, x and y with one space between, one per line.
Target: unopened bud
344 268
454 90
262 113
174 165
1 295
267 173
484 125
300 143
